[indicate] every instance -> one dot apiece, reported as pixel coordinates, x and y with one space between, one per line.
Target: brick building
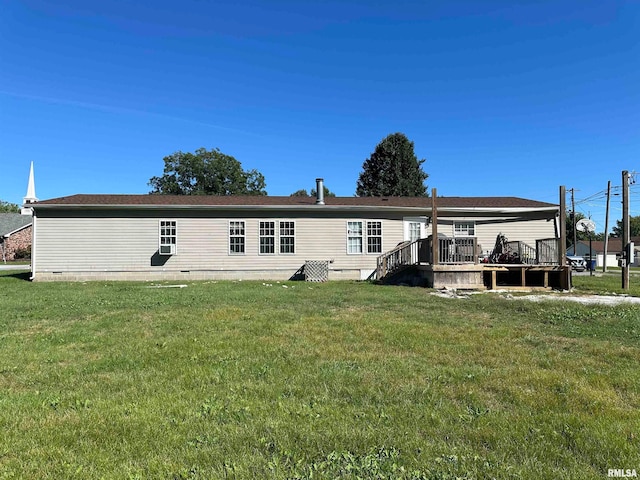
15 235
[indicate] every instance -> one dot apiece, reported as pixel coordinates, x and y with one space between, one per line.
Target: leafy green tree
206 172
6 207
392 170
634 227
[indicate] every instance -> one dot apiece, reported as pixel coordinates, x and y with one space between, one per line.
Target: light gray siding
102 243
123 244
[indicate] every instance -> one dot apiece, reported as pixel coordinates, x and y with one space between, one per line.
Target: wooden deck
527 276
495 276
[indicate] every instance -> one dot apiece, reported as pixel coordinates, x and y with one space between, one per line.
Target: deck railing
460 250
404 255
525 253
547 251
456 250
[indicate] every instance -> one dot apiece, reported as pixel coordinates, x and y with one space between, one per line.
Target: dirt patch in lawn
564 297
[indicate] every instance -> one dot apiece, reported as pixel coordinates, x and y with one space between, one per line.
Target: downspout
33 246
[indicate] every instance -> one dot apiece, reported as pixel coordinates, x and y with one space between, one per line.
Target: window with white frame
415 231
168 237
464 229
267 238
287 237
354 237
374 237
236 237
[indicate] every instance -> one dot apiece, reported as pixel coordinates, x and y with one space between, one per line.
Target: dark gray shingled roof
10 222
271 201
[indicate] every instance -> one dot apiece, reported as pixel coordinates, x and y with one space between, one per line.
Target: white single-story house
154 237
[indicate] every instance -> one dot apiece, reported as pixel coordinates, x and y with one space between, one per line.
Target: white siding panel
128 242
131 244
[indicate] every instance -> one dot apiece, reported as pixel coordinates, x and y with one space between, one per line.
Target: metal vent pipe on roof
319 191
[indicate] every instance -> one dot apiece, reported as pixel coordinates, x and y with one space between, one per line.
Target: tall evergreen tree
393 170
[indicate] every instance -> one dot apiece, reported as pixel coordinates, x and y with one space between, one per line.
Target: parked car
577 263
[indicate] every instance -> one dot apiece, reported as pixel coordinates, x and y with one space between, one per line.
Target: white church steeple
31 194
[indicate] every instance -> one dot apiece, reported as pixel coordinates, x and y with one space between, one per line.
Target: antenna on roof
31 194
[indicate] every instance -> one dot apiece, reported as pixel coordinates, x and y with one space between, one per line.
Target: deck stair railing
406 254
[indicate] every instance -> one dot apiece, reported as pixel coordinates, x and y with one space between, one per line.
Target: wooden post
565 271
475 251
573 223
562 247
435 244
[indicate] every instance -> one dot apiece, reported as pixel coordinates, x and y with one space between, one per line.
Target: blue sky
501 98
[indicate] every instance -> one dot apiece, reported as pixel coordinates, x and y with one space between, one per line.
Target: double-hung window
354 237
287 237
361 233
168 237
236 237
267 238
464 229
374 237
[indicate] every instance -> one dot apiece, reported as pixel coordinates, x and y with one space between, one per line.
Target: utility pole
625 230
606 229
573 223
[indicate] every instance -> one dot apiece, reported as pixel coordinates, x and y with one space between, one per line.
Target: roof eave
227 207
498 209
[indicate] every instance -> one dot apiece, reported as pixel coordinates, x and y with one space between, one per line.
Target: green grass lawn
337 380
608 283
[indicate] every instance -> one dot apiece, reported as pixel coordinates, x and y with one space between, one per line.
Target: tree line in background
6 207
392 170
